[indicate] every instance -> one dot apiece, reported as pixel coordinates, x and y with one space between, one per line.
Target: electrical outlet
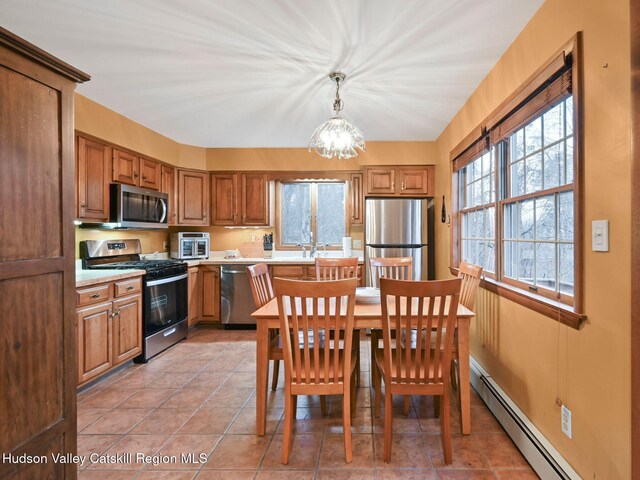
357 244
165 245
566 421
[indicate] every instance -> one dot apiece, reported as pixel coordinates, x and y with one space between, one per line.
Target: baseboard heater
541 455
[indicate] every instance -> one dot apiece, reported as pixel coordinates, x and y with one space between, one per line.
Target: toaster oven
190 245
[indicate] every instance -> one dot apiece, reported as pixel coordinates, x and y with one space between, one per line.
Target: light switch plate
566 421
600 235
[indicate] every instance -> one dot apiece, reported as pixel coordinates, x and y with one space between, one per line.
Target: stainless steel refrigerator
401 227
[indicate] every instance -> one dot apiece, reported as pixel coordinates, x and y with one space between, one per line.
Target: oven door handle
166 280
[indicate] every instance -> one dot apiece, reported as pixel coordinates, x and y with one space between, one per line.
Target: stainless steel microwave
134 207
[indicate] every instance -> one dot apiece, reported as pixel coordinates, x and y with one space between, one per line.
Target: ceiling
253 73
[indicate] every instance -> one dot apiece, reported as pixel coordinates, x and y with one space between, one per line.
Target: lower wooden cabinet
210 277
305 272
109 326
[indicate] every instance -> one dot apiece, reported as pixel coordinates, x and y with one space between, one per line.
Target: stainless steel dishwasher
236 300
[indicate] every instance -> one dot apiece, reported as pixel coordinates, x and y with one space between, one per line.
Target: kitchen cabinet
133 170
242 199
193 197
125 167
400 181
210 300
305 272
194 295
149 174
356 199
92 186
109 326
168 186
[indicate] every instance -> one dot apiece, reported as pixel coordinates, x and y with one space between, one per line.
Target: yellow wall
533 358
99 121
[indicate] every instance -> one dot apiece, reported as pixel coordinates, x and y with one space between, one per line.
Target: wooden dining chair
414 368
337 269
326 368
396 268
262 292
470 275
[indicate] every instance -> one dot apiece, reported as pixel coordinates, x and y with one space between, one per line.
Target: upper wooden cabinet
168 186
125 167
193 197
400 181
133 170
240 199
149 174
92 184
356 199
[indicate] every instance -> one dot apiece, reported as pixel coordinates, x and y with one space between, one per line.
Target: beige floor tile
163 421
209 420
226 475
173 380
88 444
238 450
407 451
167 475
391 474
144 445
245 422
232 396
117 421
466 452
208 379
305 450
465 475
199 446
515 474
148 398
332 455
285 475
187 398
500 450
108 397
107 474
86 416
346 474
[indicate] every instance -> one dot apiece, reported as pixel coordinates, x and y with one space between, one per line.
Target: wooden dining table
366 315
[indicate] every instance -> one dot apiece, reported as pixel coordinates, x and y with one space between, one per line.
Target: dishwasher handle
233 270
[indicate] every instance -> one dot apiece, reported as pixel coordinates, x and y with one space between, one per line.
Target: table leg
465 375
374 344
262 375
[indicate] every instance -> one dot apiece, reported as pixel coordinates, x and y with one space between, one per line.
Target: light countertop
86 278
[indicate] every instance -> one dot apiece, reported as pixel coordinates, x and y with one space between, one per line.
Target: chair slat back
309 311
336 268
422 312
397 268
261 287
470 275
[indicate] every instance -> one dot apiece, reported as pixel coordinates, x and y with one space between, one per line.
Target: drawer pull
95 295
131 287
169 332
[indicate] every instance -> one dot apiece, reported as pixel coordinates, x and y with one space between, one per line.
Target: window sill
555 310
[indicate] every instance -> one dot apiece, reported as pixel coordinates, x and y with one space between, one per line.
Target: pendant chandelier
337 137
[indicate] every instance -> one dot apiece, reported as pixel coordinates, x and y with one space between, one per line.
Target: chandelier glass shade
337 137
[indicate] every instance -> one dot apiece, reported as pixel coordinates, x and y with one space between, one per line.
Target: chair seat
303 379
404 374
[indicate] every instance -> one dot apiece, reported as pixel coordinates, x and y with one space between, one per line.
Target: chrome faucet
304 250
314 247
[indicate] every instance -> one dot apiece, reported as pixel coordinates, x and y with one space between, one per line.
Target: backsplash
152 240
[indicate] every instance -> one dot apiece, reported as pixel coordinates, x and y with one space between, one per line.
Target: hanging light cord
337 105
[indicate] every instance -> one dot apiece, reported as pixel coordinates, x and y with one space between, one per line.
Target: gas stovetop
125 254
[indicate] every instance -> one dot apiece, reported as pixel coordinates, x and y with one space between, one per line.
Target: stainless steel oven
165 312
133 207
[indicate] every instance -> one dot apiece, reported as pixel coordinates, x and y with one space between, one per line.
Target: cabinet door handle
144 178
393 186
83 205
402 185
95 295
135 175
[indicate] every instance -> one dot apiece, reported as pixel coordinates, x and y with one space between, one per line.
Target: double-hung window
311 212
516 197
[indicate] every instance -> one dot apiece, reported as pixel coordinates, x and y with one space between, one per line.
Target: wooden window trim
282 246
555 309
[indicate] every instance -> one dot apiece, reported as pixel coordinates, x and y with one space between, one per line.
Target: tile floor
199 397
